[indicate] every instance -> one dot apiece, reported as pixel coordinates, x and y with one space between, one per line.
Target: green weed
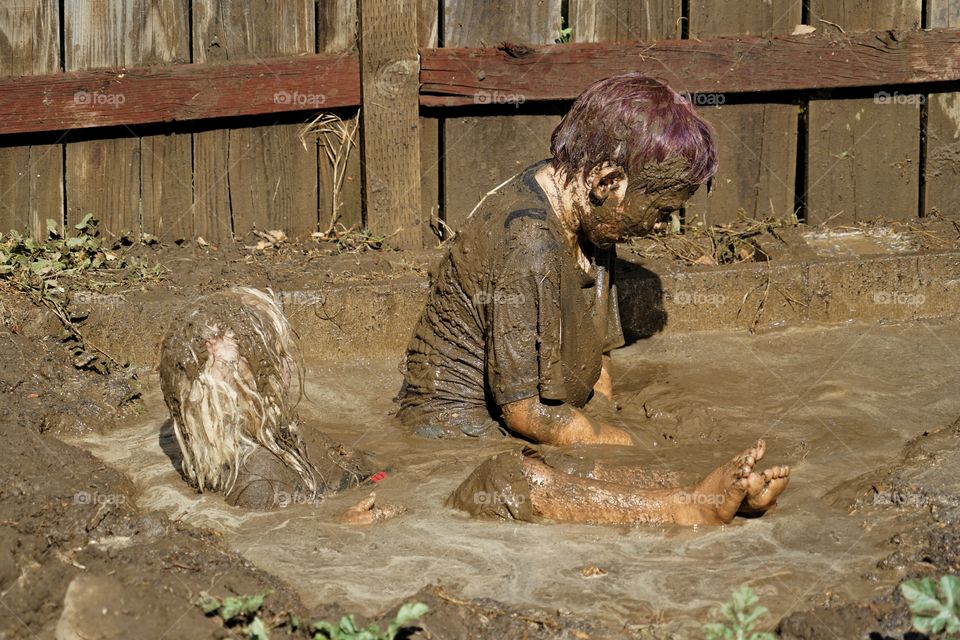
347 628
741 611
242 612
935 606
48 270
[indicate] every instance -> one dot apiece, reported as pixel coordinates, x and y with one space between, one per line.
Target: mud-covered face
620 208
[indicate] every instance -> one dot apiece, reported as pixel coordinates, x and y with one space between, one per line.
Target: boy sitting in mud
522 316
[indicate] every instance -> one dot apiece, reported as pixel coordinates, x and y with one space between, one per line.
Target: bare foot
718 497
366 511
763 489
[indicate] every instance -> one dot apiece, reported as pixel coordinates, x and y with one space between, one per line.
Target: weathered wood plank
391 143
864 155
177 93
481 152
942 186
103 176
166 161
258 177
743 64
619 20
757 144
31 177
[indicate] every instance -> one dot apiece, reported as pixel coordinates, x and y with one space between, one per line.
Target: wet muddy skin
836 404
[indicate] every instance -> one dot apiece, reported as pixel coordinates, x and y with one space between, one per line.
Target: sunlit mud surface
834 403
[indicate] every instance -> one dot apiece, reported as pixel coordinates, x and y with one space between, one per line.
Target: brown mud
818 396
838 404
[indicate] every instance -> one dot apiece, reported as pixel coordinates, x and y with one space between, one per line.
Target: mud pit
837 404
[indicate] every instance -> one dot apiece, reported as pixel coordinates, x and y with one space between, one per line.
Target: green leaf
717 631
410 612
207 603
53 229
257 630
80 226
921 596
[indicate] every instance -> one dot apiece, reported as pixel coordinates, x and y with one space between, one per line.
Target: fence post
389 74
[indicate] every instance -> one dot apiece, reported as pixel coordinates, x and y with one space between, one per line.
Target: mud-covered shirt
511 315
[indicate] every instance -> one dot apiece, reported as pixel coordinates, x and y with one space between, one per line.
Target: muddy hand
367 512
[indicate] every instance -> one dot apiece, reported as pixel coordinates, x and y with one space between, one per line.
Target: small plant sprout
347 628
742 610
242 612
935 606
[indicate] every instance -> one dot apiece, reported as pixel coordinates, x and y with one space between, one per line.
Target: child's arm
559 424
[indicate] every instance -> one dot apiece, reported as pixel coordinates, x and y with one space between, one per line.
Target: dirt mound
925 488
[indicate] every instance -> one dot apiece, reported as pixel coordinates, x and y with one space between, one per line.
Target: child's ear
604 180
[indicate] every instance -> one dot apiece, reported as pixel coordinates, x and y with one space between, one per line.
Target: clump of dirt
46 381
761 240
925 489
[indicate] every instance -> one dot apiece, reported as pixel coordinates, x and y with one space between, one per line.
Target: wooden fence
184 118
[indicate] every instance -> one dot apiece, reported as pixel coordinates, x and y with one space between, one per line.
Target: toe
760 449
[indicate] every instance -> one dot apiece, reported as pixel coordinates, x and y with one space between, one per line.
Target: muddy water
834 403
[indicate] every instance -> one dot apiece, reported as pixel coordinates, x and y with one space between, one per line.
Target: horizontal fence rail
146 95
453 77
457 77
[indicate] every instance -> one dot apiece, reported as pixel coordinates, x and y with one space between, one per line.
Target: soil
101 537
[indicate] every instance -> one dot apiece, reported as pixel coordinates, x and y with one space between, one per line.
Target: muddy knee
495 489
265 482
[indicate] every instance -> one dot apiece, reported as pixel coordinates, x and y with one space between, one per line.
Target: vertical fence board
756 143
593 21
256 177
31 177
337 33
863 155
103 176
428 25
391 142
943 128
166 161
481 152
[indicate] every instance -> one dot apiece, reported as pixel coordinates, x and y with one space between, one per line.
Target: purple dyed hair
631 120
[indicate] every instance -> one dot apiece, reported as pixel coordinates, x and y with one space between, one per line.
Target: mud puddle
835 403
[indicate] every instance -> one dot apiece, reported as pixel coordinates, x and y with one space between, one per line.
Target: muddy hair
631 120
226 371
